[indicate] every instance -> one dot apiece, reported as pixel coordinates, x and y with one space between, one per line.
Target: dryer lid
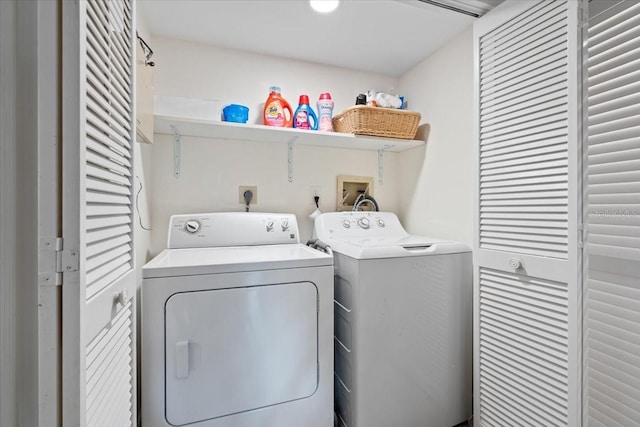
197 261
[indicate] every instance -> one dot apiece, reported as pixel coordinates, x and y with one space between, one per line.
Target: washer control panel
346 225
231 229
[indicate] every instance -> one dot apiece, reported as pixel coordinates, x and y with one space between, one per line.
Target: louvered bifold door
612 287
527 259
99 306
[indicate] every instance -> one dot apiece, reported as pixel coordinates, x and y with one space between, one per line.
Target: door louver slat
100 209
98 100
612 285
539 94
550 194
95 137
108 17
108 126
105 127
109 358
107 175
512 32
105 245
107 152
525 146
523 117
531 106
107 187
108 164
106 112
515 316
96 90
101 70
595 110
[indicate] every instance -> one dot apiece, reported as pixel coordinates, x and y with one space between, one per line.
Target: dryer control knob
346 223
269 225
364 223
284 224
380 222
192 226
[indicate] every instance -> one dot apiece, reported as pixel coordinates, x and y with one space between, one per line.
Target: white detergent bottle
325 112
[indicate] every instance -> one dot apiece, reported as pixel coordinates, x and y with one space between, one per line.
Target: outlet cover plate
315 190
242 189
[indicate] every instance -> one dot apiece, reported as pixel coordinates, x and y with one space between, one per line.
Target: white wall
430 187
436 182
143 163
212 170
142 166
202 71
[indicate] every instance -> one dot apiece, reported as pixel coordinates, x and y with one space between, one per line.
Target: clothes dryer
237 324
403 323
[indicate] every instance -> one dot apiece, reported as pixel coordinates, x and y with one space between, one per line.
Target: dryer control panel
231 229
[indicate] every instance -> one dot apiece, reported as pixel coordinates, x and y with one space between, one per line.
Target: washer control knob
284 224
346 223
192 226
364 223
269 225
380 222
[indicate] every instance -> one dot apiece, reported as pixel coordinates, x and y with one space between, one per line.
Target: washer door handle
182 359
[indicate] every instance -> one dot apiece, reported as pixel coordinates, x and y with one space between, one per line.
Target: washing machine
403 323
237 325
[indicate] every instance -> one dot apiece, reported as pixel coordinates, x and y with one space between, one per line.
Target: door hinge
583 235
55 260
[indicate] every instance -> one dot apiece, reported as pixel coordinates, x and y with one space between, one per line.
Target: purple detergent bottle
304 115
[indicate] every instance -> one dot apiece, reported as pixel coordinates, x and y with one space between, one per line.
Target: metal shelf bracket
177 148
290 158
380 166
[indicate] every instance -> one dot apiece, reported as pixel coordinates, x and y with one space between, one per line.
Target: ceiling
381 36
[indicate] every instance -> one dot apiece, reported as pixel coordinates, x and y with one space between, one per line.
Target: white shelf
249 132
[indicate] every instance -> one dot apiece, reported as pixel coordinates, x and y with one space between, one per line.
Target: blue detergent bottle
304 115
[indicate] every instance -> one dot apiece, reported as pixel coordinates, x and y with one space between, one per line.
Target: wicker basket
377 121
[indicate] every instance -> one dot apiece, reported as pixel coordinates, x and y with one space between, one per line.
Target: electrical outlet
242 189
315 191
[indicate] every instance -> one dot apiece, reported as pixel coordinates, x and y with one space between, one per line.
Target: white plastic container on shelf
325 112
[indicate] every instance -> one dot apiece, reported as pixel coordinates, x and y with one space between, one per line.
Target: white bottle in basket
325 112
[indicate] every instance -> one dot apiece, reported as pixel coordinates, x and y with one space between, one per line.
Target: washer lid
195 261
374 248
369 235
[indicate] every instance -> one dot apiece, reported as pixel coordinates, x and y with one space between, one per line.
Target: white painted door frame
29 358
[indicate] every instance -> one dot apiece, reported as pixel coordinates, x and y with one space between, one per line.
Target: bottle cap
275 89
361 99
325 95
304 99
